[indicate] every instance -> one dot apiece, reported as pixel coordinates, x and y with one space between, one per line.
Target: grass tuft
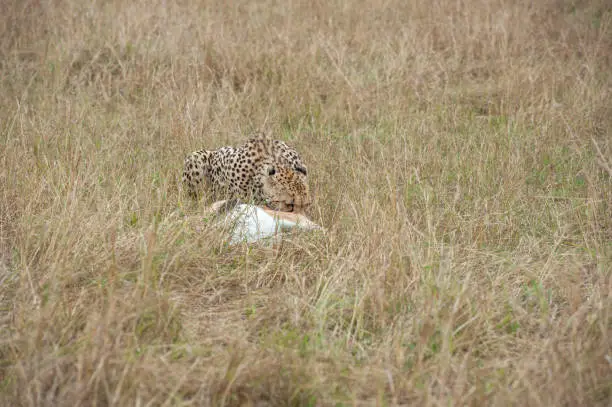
460 157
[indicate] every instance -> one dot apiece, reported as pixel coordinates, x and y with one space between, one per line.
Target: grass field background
460 154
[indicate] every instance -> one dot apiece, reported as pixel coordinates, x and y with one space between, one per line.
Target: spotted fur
262 170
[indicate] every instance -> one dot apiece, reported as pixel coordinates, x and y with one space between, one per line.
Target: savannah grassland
460 154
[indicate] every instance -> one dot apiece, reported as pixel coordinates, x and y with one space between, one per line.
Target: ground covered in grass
460 155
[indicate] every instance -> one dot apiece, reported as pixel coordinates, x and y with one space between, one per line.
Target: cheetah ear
302 169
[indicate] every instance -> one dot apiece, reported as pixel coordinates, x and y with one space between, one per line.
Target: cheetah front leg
195 170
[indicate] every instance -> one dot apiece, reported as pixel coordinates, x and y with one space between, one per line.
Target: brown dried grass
460 156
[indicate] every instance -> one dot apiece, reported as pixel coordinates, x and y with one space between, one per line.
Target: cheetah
262 170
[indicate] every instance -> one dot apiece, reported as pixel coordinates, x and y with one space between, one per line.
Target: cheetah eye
301 169
272 171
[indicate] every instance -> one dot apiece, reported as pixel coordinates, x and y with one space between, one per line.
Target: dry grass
461 158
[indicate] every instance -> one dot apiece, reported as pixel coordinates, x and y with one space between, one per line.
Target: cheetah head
285 188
